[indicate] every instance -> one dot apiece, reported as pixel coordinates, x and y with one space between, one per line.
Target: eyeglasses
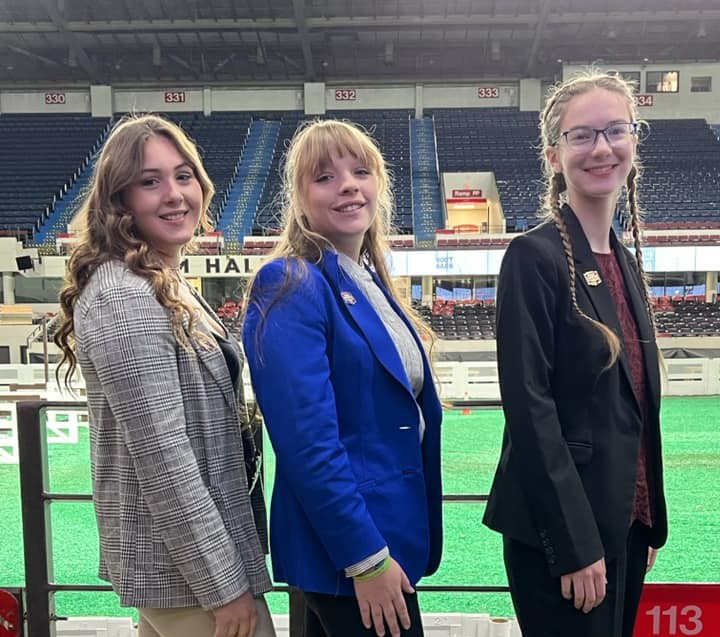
616 134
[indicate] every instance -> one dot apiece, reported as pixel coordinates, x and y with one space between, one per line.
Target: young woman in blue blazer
342 379
578 493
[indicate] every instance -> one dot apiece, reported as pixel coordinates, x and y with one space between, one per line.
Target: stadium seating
428 215
681 158
499 140
220 138
475 320
686 317
461 321
389 128
42 155
268 221
681 183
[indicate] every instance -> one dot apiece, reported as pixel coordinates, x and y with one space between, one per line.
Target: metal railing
36 498
35 495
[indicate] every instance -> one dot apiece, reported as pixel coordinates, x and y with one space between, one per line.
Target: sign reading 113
671 621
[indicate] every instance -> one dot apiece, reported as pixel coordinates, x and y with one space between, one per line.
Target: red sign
488 92
644 100
174 97
467 192
54 98
667 610
473 200
345 95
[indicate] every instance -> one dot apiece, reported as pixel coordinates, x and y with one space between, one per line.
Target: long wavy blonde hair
106 230
550 122
311 148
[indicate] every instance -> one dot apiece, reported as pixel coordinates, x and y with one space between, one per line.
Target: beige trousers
194 622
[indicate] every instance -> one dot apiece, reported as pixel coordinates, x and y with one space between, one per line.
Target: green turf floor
472 555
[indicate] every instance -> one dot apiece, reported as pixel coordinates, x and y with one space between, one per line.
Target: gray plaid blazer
170 491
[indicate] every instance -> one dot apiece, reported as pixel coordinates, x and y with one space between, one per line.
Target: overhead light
495 50
702 31
611 34
259 56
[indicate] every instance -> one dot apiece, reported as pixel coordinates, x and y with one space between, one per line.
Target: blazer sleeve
539 456
133 350
291 377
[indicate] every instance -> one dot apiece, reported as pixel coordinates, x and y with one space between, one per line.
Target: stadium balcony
263 245
686 234
469 237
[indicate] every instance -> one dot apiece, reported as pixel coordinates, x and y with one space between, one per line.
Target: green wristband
376 570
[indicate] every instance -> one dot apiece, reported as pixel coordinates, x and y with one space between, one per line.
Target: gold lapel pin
348 298
592 278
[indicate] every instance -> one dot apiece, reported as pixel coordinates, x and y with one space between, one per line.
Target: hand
382 597
236 619
652 556
588 585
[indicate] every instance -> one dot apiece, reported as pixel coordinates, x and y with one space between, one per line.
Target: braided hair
550 121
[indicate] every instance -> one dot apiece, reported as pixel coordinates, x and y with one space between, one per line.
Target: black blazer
566 478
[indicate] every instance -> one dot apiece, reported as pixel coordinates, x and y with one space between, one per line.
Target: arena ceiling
120 42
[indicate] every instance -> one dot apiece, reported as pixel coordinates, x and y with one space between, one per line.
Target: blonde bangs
326 139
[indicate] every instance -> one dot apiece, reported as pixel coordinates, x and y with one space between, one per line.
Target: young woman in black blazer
578 493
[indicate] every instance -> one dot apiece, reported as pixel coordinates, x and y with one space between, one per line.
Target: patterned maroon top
613 277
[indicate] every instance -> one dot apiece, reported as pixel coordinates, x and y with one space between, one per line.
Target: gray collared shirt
398 330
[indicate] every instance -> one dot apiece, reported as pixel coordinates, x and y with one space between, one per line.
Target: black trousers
339 616
541 609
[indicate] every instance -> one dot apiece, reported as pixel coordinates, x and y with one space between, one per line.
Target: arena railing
36 497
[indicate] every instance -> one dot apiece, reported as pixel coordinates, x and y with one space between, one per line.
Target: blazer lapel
587 275
365 318
404 318
640 311
214 360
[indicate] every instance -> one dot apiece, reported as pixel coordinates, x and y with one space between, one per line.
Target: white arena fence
458 381
434 625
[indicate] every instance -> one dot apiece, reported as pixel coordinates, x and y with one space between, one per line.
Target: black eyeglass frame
634 129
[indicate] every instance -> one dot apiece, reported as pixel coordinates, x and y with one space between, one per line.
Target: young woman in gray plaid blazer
179 536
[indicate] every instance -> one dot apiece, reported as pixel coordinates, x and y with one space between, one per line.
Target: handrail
36 520
36 497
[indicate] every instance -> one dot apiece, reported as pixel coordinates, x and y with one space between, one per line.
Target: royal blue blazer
352 475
